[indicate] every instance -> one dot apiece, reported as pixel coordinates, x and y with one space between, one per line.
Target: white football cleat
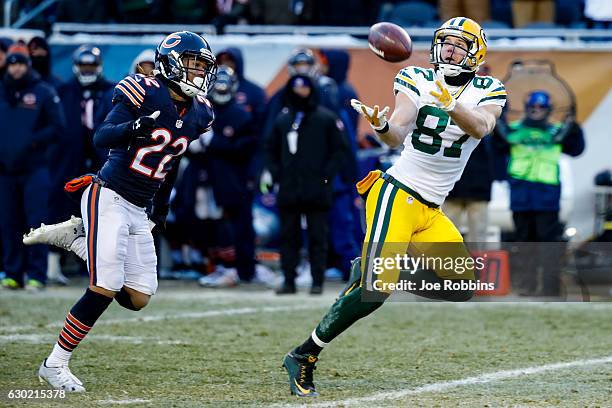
61 235
60 378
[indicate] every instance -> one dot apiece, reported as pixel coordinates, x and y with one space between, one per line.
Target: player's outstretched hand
144 125
375 116
443 100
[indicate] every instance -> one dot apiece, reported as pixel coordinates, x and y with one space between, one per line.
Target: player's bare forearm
395 136
404 115
476 122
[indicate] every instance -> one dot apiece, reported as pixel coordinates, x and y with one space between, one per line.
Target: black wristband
385 129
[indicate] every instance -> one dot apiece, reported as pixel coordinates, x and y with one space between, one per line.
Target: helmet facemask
438 57
87 74
194 73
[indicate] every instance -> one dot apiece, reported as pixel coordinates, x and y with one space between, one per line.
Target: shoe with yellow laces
300 369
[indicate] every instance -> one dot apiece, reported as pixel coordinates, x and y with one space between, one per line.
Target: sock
79 247
313 345
124 299
347 310
79 322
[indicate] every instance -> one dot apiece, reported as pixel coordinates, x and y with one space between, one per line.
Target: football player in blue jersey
153 120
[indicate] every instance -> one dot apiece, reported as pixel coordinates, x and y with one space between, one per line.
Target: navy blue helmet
302 62
186 60
87 64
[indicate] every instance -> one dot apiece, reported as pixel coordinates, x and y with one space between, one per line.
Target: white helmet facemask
86 78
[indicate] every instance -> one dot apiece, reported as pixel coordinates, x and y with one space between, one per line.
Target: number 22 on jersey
163 137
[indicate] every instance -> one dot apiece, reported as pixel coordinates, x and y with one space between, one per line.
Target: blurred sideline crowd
424 13
250 188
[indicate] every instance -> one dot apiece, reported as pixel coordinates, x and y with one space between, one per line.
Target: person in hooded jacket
250 95
226 153
303 154
86 100
346 232
252 98
40 55
535 145
336 66
303 62
82 98
31 119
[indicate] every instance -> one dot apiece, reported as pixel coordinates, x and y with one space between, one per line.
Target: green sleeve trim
491 98
407 85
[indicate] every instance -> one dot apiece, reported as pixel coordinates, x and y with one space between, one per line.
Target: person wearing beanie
303 154
30 120
534 145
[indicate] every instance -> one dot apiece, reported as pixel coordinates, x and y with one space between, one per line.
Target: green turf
212 360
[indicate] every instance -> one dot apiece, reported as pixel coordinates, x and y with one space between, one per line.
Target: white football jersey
436 150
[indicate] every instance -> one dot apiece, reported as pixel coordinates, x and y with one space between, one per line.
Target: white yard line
124 402
174 316
445 385
48 338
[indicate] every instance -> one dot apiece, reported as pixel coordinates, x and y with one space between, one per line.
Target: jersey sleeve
405 82
495 94
207 116
129 92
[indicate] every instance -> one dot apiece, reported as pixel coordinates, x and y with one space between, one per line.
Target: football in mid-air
390 42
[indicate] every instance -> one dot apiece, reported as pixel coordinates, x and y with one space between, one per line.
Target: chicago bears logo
171 41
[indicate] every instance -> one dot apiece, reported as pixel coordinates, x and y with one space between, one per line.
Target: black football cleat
300 368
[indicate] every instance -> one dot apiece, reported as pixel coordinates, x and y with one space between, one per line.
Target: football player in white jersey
440 115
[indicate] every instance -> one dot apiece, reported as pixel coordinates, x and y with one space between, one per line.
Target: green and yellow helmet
468 30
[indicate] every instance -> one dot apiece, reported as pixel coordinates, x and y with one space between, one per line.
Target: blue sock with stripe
78 323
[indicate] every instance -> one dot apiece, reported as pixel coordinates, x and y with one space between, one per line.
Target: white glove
375 117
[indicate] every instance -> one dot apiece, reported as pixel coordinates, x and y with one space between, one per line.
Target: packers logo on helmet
476 45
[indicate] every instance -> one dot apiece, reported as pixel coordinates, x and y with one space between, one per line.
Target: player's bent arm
476 122
403 117
113 132
161 200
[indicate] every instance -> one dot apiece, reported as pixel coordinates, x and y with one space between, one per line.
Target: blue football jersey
135 169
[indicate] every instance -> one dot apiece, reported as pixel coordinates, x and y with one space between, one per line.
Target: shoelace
65 376
306 371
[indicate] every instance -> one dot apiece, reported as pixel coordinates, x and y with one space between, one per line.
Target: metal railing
569 35
100 28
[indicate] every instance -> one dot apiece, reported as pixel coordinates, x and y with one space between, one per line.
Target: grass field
197 348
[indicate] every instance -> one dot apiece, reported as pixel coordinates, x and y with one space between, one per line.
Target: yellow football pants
398 224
